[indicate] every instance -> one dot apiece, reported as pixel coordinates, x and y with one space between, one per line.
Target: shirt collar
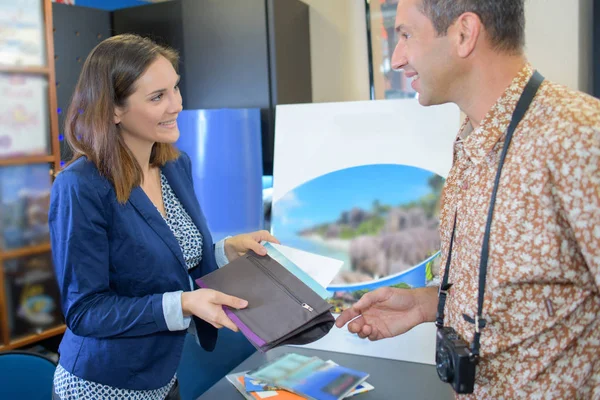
478 143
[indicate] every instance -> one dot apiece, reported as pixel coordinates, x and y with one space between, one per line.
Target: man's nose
399 56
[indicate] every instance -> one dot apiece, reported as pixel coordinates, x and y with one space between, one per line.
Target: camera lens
444 364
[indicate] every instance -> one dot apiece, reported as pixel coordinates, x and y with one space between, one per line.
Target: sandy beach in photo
332 243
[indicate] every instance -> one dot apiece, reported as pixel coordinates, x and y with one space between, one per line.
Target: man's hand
237 246
388 312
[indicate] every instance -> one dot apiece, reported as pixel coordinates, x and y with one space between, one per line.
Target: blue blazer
113 263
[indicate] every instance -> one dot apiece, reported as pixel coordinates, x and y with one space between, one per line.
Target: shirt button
465 185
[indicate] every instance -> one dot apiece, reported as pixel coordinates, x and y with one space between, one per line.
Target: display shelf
46 69
34 338
27 160
24 70
24 251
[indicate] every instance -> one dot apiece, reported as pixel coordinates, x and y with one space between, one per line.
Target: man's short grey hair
504 20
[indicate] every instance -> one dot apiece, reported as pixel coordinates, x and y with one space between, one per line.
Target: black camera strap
522 106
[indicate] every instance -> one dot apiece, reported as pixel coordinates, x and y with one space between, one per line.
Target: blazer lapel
187 197
148 211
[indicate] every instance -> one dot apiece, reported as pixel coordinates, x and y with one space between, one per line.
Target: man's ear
466 31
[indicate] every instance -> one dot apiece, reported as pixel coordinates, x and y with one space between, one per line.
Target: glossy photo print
381 220
24 204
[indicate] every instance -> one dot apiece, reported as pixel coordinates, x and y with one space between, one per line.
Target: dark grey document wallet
281 308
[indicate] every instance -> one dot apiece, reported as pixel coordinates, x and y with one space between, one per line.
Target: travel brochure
24 120
22 33
24 203
294 376
32 295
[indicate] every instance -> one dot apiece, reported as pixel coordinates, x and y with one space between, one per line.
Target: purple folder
281 308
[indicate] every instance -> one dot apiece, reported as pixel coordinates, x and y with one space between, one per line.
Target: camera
454 361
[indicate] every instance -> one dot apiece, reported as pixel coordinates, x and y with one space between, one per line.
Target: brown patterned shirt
542 298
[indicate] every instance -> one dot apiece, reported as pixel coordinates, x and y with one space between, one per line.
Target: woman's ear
118 114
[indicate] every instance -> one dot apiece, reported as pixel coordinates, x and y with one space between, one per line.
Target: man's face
423 55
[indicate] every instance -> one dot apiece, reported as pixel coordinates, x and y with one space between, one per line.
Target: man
542 301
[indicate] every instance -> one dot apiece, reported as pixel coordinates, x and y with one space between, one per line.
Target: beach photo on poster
381 220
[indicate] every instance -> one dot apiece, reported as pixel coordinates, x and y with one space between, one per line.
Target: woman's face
150 113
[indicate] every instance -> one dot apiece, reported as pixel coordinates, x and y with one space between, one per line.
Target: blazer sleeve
80 251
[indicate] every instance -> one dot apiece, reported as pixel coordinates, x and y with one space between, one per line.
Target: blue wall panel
225 148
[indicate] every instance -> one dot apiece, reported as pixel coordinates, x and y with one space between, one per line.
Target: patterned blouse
70 387
542 300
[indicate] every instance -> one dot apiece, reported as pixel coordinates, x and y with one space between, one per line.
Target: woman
127 233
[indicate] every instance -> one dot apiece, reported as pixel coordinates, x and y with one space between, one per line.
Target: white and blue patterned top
70 387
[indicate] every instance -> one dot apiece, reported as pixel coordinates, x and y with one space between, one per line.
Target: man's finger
229 301
374 334
365 331
356 326
346 315
365 302
357 309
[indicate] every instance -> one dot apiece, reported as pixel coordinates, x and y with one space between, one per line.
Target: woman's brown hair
107 80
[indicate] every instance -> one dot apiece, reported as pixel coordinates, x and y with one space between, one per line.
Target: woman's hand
207 304
239 245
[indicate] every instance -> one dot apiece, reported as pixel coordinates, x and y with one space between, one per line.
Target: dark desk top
392 379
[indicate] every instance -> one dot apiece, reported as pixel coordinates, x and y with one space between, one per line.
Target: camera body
454 361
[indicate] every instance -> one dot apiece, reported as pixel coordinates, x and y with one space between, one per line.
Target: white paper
266 394
321 269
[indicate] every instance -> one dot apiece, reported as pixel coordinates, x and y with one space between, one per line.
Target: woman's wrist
185 304
230 252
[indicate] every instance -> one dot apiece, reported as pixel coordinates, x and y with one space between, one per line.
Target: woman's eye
157 97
